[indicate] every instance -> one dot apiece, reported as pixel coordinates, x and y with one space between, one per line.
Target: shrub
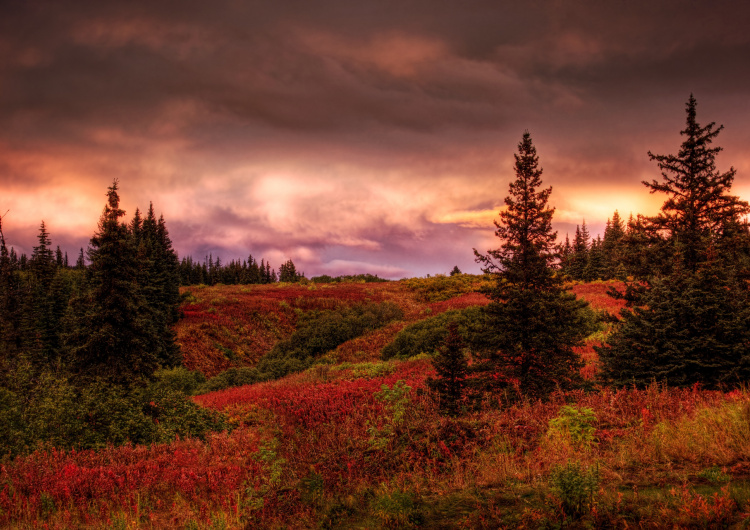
321 331
575 425
441 287
230 378
428 335
179 379
575 485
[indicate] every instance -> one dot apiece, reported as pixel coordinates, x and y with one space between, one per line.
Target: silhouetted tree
533 322
288 272
452 370
691 317
112 335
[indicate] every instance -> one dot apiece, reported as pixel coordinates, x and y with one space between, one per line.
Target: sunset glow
353 137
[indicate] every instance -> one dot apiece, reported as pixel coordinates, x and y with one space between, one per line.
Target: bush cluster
317 332
43 408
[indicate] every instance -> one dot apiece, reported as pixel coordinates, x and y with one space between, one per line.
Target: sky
351 136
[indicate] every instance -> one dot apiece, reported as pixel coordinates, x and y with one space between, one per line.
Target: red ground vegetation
330 446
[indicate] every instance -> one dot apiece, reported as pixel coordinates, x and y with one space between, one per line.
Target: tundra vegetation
594 384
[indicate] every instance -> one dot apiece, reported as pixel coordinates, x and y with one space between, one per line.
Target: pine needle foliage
112 334
689 319
452 369
533 321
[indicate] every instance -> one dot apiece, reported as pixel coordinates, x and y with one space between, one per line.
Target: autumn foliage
362 442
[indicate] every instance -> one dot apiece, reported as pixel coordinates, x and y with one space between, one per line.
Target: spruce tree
111 334
579 258
10 293
533 322
612 247
452 370
690 321
698 207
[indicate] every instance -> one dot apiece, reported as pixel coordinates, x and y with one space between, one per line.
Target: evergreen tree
452 370
612 246
691 317
158 279
80 262
565 251
579 258
43 259
698 206
288 272
596 267
10 337
533 323
40 320
111 334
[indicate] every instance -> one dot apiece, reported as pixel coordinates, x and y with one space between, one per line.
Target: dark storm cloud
350 133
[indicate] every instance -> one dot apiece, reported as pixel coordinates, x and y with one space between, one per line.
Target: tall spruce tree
111 334
533 322
579 258
612 247
691 317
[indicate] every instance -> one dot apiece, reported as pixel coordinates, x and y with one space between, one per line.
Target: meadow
356 441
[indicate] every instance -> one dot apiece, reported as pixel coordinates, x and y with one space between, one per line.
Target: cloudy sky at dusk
353 136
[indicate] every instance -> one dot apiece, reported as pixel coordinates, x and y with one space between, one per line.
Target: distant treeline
192 272
631 250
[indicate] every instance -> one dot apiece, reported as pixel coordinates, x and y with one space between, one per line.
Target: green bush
41 407
230 378
321 331
575 486
179 379
441 287
426 336
574 425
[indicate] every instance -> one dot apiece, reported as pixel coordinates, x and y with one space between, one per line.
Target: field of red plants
363 445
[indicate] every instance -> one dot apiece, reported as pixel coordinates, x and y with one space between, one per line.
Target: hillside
357 442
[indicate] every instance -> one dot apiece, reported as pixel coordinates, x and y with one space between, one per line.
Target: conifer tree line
236 272
80 346
110 318
685 272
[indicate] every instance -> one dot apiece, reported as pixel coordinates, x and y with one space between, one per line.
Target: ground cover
362 445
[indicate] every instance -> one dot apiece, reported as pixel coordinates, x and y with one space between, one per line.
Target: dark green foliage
39 407
210 272
178 379
159 280
575 486
10 302
451 370
692 328
612 248
288 272
578 258
426 336
690 321
321 331
113 333
533 322
231 378
441 287
596 267
698 207
455 270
